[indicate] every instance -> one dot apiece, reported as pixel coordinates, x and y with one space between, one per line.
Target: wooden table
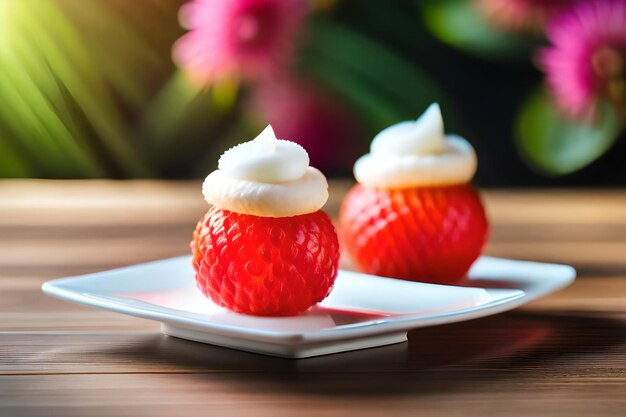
564 355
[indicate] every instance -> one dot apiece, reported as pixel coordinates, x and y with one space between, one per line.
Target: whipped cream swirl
416 153
266 177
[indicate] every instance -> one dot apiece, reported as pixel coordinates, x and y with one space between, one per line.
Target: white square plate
362 311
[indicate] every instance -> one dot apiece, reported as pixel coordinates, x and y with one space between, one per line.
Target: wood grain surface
564 355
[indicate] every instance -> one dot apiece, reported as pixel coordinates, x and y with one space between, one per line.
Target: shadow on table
437 359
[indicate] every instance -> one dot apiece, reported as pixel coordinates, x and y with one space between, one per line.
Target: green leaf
85 84
57 107
382 86
377 111
12 165
459 24
28 116
558 146
183 121
127 60
167 112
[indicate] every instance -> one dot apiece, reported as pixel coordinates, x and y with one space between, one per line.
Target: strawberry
263 265
430 234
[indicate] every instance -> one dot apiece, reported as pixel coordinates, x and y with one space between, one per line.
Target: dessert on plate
414 214
265 247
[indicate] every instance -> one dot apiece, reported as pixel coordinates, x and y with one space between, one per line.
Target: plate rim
58 288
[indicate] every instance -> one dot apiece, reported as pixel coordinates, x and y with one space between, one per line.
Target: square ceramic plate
362 311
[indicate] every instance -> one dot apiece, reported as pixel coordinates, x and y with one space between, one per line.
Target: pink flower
587 60
301 112
521 15
237 38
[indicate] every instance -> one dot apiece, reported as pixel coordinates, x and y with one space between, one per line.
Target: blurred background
160 88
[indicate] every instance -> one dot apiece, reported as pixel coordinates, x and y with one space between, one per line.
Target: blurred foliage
89 89
62 96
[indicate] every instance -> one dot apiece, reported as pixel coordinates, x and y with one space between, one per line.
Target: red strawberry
430 234
263 265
